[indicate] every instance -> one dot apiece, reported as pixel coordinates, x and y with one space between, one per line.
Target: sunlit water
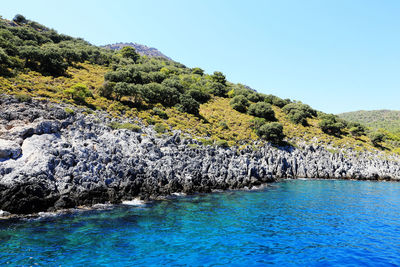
291 223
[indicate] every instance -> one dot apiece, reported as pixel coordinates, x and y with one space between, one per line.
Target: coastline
56 160
136 202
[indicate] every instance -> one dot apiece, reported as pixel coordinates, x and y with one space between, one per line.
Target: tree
218 89
173 82
219 77
78 92
107 89
47 59
239 103
256 123
198 71
188 104
272 131
158 93
5 62
20 19
376 138
118 76
331 125
130 52
156 76
254 97
262 110
160 113
121 89
357 129
298 112
279 102
198 95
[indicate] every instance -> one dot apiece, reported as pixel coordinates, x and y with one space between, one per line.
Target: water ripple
295 222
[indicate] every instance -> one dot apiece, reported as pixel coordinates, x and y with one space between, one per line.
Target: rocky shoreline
51 159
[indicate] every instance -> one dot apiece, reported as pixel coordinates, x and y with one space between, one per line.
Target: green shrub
231 93
262 110
279 102
78 92
47 59
239 103
224 125
128 126
20 19
5 63
158 93
222 143
272 131
23 98
298 112
256 123
189 105
129 52
376 138
206 142
330 124
199 96
69 111
217 89
276 101
160 128
357 129
160 113
219 77
107 89
151 121
254 97
198 71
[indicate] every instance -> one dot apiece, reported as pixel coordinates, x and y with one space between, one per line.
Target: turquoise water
295 222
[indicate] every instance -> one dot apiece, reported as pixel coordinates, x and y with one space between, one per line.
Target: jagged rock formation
141 49
50 159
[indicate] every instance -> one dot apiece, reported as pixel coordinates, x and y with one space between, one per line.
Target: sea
288 223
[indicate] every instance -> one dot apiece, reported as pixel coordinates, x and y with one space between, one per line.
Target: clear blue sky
336 55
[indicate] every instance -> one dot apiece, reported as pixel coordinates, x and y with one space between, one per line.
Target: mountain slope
38 62
141 49
386 119
81 125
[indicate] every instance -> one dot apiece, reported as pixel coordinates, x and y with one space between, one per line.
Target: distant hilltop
141 49
385 119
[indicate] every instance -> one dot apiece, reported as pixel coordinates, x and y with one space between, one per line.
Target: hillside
385 119
143 50
82 125
38 62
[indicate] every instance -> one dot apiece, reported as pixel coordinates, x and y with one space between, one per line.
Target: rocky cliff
141 49
52 159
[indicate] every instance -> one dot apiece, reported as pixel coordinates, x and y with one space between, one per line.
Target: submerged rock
52 160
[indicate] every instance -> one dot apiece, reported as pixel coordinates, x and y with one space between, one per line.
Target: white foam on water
102 206
47 214
260 187
134 202
178 194
4 213
217 190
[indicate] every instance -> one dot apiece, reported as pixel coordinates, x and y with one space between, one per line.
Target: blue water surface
294 222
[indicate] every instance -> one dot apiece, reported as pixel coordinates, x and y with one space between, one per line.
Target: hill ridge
382 118
143 50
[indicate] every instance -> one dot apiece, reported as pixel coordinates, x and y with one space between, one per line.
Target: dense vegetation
28 44
36 61
385 119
